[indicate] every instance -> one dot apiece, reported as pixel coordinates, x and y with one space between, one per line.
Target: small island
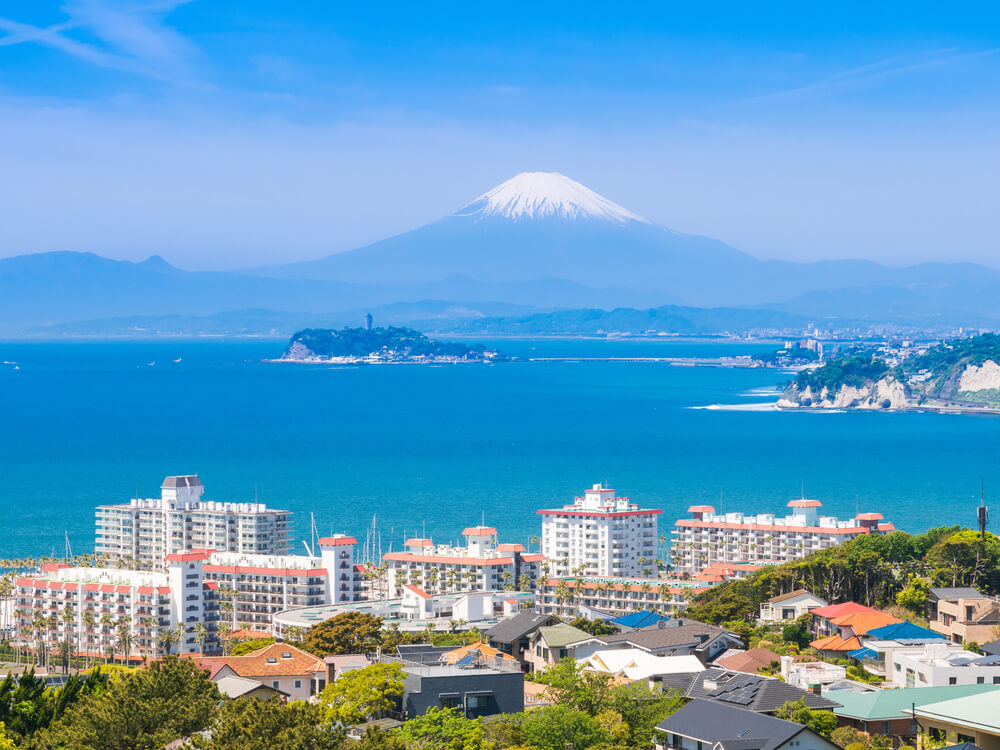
390 345
955 376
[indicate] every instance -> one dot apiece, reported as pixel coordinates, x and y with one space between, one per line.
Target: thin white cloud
131 36
867 76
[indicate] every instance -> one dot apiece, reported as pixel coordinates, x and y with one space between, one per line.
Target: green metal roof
558 636
973 711
894 704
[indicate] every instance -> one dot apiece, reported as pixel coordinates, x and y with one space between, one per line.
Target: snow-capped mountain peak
536 195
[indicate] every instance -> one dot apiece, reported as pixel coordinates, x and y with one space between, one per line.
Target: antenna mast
982 513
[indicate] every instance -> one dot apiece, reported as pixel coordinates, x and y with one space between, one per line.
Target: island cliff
380 345
962 375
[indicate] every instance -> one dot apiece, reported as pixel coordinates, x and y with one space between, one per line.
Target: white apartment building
600 534
481 565
89 607
572 597
708 538
199 586
147 530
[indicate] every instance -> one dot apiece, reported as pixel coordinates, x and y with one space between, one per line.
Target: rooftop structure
751 691
147 530
708 537
600 534
676 638
940 664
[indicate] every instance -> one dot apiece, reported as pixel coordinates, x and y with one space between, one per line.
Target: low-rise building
705 724
823 617
513 634
481 565
708 537
145 531
564 597
974 719
549 645
851 630
887 712
640 666
759 693
940 664
600 534
751 661
964 615
790 606
676 638
281 666
477 687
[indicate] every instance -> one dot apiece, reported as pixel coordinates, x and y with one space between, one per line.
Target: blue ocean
432 449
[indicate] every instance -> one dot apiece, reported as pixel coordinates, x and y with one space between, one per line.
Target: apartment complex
600 534
93 608
147 530
708 538
89 607
567 597
481 565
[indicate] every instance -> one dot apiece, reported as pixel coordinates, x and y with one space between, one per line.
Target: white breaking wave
536 195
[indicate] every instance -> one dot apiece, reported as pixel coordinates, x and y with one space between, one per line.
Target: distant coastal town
846 629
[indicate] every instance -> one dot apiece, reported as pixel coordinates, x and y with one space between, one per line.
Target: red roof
479 531
337 541
804 503
186 556
51 567
418 591
510 547
533 557
448 560
869 516
701 509
844 608
847 531
418 543
257 571
599 514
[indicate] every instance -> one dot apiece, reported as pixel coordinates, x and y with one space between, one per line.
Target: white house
939 664
636 664
790 606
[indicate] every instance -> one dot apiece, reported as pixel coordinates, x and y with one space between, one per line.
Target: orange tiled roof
259 663
487 652
839 610
862 622
836 643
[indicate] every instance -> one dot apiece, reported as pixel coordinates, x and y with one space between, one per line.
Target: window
275 684
996 680
298 684
952 680
980 680
449 701
967 738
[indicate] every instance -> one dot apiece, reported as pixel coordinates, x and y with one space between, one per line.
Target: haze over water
433 449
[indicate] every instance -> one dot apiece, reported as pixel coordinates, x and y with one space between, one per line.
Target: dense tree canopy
361 694
346 633
264 725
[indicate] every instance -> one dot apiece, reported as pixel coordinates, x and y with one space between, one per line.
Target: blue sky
227 134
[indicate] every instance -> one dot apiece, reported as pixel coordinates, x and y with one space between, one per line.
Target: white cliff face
887 393
985 377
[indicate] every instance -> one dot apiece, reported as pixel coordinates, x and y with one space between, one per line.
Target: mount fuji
542 226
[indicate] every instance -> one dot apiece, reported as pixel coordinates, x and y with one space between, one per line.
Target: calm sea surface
434 449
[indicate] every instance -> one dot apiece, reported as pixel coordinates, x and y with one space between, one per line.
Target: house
992 648
674 638
879 645
233 687
635 664
281 666
937 664
851 629
512 634
338 665
751 660
476 687
644 618
790 606
823 617
754 692
887 712
705 725
963 614
550 643
478 653
973 718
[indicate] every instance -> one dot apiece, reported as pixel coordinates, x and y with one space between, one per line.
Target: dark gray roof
736 728
186 480
518 626
751 691
953 594
655 637
962 746
992 648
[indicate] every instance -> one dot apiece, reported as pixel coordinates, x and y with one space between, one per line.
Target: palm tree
65 651
200 633
294 632
69 618
534 540
524 582
89 622
106 622
125 639
166 639
224 631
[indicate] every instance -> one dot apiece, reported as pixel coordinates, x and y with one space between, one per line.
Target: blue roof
641 619
900 630
862 653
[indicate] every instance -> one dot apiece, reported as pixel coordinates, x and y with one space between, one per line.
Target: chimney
815 688
710 685
661 624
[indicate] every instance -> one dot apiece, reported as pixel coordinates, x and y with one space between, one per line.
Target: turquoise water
437 448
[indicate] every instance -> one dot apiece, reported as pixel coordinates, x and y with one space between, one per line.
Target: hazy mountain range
538 243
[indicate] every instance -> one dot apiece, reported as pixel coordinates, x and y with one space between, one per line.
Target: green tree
965 559
346 633
844 736
6 743
796 634
361 694
914 595
569 685
264 725
444 728
594 627
144 709
245 647
552 727
821 722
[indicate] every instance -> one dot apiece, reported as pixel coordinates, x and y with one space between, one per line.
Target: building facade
600 534
147 530
708 538
481 565
565 597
